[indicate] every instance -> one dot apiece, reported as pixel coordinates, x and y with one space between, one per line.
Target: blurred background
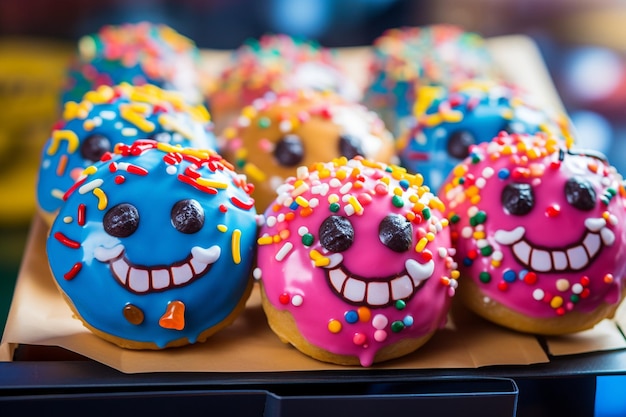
583 44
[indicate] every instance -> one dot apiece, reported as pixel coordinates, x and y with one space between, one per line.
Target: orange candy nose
174 317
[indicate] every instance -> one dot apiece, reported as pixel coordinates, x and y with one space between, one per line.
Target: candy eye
93 147
517 199
289 151
121 220
336 234
187 216
580 193
459 143
349 146
395 232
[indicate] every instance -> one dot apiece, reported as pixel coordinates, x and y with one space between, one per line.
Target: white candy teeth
145 279
507 238
107 254
419 272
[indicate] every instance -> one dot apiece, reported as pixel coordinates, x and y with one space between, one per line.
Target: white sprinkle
481 182
270 221
90 186
467 232
171 169
297 300
129 131
488 172
334 183
257 273
442 252
107 114
346 187
538 294
284 251
349 209
303 230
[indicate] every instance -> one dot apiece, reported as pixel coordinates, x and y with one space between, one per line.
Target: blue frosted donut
110 115
153 246
447 121
135 53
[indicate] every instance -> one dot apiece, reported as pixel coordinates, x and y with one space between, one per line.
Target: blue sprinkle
293 205
509 275
467 262
404 184
504 174
351 316
408 321
522 274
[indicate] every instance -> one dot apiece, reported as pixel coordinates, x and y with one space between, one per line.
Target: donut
135 53
108 115
276 63
355 263
447 121
405 57
539 233
153 247
280 132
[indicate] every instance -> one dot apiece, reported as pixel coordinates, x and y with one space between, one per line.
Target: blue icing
209 296
480 111
191 127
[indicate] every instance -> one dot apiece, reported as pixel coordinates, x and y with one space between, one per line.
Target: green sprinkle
397 326
481 217
334 207
400 304
307 239
264 122
485 277
486 250
574 298
455 218
397 201
426 213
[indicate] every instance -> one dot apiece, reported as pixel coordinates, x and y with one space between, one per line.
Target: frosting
359 253
136 53
277 63
110 115
406 57
537 226
155 242
446 121
280 132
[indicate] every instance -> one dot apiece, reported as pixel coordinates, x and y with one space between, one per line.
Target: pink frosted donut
355 262
539 232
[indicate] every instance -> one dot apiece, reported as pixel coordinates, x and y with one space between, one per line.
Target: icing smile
142 279
574 257
380 292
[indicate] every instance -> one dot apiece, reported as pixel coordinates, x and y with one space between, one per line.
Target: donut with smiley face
153 246
107 116
355 263
539 232
447 121
281 132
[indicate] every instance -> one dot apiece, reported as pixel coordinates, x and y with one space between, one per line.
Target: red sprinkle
503 286
76 185
137 170
81 214
584 280
66 240
560 311
69 275
112 167
242 205
119 179
223 208
284 298
553 210
530 278
427 255
193 183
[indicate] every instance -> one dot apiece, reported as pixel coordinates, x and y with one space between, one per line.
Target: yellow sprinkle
430 236
341 174
89 125
475 199
230 132
134 113
459 170
265 240
254 172
355 204
222 228
556 302
90 170
211 183
421 244
333 198
495 264
334 326
319 259
479 235
102 198
455 274
301 201
235 245
275 238
58 136
324 173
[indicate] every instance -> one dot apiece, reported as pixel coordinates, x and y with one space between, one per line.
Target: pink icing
363 192
557 257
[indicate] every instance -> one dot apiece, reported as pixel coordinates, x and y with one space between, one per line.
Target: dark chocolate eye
187 216
349 146
459 143
517 199
289 151
395 232
94 146
580 193
336 234
121 220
